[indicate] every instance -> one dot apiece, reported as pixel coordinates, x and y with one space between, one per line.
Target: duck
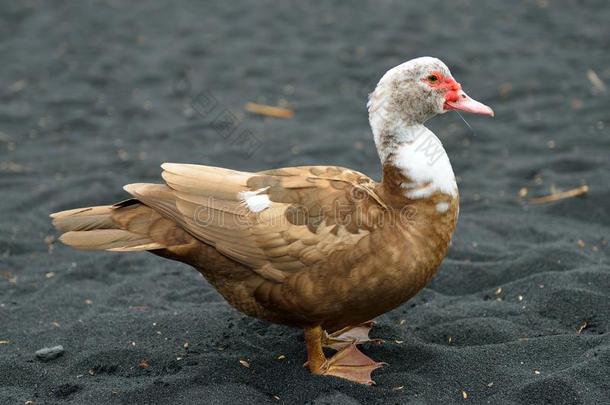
322 248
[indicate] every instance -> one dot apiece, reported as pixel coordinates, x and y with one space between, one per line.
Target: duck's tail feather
124 227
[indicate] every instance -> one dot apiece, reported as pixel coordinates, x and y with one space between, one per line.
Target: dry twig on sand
269 111
575 192
581 328
595 80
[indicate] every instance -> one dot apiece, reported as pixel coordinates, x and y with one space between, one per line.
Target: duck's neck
414 161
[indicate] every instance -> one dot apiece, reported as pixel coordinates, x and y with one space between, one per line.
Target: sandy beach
97 94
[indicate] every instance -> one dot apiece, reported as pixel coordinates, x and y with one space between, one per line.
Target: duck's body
340 272
319 247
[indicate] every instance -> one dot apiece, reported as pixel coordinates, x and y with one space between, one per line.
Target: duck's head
415 91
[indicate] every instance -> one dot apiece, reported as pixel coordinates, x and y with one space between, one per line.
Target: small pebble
49 353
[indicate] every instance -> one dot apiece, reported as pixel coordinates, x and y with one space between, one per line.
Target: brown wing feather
313 212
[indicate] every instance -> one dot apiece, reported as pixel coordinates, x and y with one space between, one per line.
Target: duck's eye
432 78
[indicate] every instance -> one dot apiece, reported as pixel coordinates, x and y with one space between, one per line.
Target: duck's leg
356 334
316 361
348 363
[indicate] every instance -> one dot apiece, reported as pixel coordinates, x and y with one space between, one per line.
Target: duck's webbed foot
348 363
351 364
356 334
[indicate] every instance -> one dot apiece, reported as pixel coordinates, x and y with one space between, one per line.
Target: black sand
96 94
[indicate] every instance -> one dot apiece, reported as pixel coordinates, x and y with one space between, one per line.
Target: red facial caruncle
437 80
455 98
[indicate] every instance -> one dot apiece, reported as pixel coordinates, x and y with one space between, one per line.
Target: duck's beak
460 101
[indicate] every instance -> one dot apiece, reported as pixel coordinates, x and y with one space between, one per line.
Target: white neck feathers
425 162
